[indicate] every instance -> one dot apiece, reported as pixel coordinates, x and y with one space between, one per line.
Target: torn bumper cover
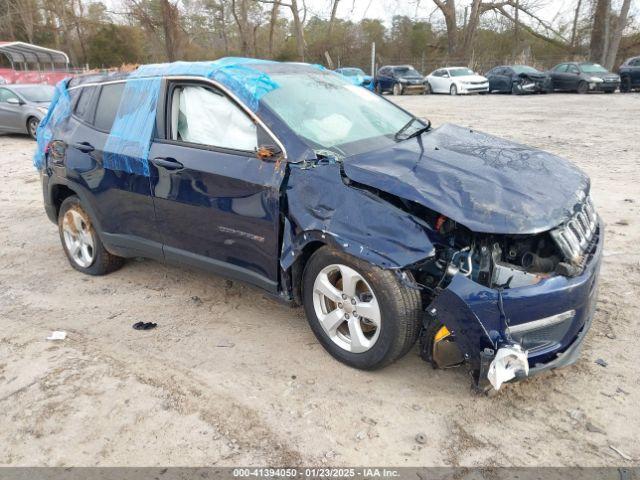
548 320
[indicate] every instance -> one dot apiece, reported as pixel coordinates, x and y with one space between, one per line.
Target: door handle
167 162
84 147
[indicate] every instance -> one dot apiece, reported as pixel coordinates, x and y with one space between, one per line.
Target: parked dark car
583 77
630 75
324 194
518 79
23 106
398 80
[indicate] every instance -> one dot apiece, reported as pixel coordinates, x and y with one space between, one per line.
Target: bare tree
275 9
162 19
299 16
614 44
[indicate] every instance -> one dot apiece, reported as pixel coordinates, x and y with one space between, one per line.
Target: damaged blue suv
326 195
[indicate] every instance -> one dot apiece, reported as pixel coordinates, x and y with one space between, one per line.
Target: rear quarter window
107 107
82 108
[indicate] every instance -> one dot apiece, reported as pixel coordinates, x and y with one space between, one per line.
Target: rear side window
108 104
82 109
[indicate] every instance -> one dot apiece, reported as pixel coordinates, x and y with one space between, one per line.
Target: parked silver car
23 106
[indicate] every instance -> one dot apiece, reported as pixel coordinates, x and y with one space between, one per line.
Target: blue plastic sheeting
128 145
59 111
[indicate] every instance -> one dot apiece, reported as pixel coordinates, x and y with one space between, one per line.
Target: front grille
575 236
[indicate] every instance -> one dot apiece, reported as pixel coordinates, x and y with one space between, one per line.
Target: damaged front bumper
548 320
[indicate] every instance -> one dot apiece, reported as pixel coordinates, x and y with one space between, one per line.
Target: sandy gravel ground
232 378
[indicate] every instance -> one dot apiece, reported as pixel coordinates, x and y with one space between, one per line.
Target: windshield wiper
399 134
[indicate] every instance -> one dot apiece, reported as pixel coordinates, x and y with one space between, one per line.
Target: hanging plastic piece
59 111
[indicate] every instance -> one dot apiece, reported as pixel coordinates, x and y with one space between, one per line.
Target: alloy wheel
347 308
32 126
78 238
453 90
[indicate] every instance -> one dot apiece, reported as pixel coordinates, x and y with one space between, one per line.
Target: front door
10 112
217 203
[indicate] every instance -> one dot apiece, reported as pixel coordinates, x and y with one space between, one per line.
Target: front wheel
516 89
427 88
583 87
397 89
361 314
625 85
32 127
453 91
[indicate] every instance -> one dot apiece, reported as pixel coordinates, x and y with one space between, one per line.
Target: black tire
103 261
397 89
625 85
32 126
400 307
427 88
453 90
516 89
583 87
378 89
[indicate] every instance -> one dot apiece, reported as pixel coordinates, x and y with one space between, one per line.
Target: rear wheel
378 89
81 242
583 87
32 127
453 90
361 314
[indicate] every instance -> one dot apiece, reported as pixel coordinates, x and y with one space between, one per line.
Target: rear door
120 200
217 203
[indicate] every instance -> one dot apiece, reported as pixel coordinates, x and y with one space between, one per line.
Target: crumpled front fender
321 207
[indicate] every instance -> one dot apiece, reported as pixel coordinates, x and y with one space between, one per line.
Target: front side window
331 114
561 68
203 116
573 69
6 94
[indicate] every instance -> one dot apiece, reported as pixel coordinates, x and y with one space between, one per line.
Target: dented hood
483 182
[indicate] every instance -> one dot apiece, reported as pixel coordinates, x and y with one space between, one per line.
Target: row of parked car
581 77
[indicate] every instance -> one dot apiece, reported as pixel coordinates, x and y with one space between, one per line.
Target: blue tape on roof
128 145
59 110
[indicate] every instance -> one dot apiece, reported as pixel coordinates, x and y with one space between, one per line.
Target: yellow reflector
442 334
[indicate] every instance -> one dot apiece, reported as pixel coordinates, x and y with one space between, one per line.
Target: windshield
352 72
36 93
406 72
524 69
331 114
592 68
460 72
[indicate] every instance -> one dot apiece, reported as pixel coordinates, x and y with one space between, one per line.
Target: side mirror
14 101
446 75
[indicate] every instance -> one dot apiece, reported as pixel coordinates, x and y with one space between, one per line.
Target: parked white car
455 81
